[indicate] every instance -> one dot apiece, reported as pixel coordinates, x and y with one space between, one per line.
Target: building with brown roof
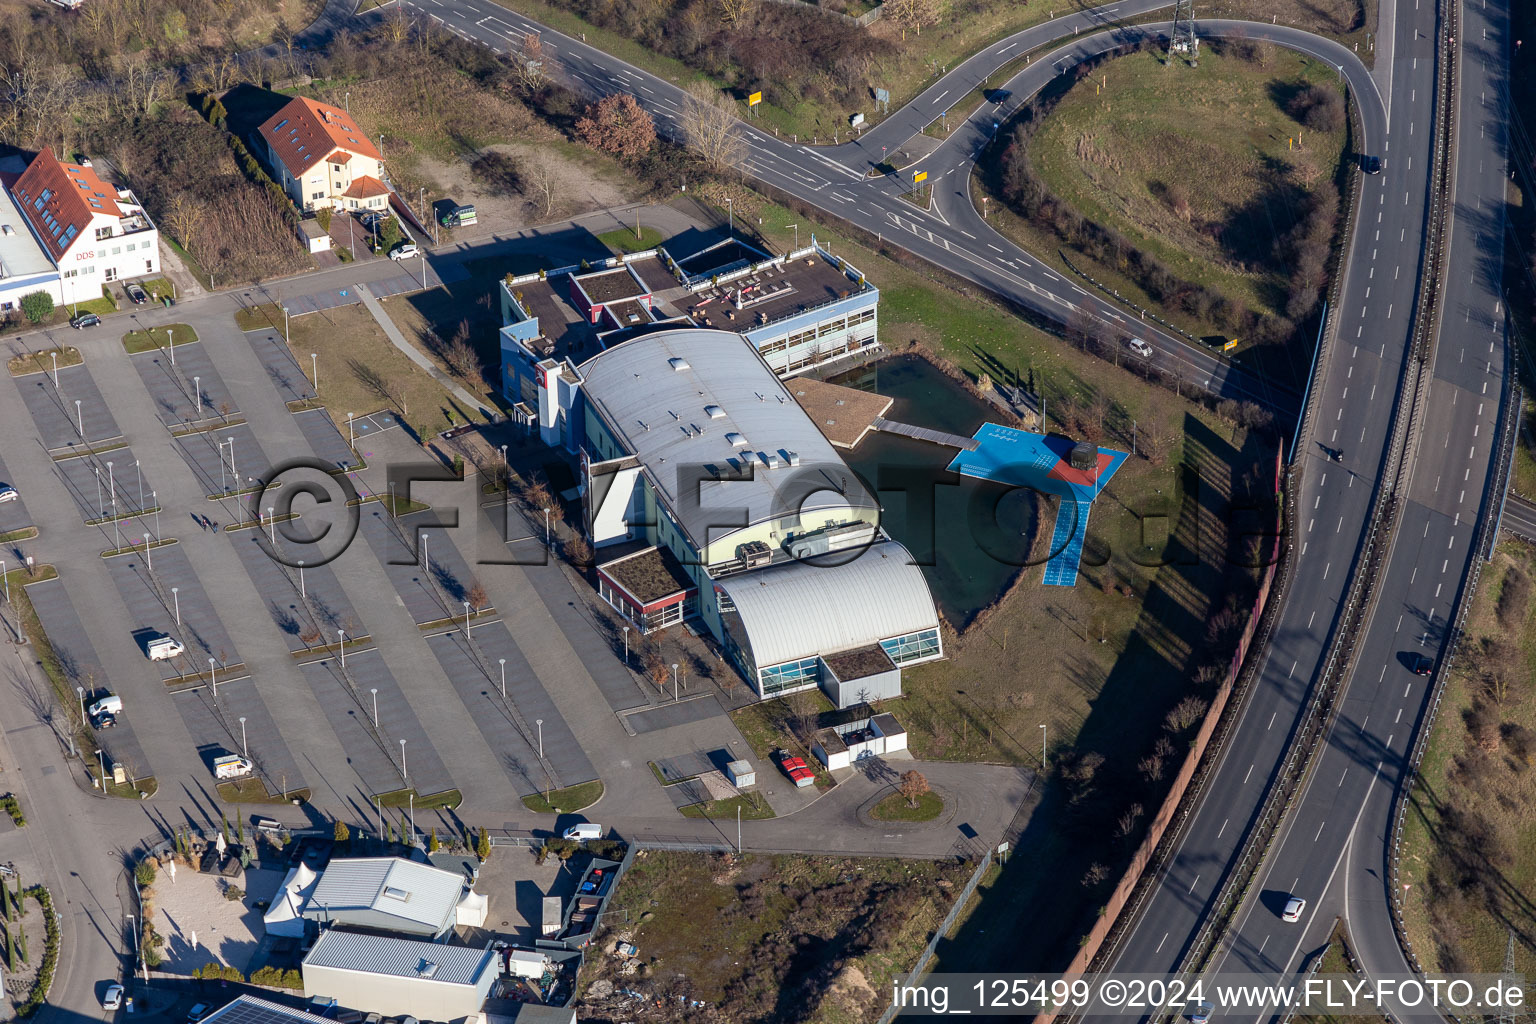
92 231
322 158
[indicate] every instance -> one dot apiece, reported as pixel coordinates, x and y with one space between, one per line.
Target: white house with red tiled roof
92 231
322 159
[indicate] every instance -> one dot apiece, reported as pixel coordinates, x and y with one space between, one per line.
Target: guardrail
1407 412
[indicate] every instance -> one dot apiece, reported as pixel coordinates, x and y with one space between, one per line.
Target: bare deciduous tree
913 14
542 175
710 128
617 124
912 785
736 13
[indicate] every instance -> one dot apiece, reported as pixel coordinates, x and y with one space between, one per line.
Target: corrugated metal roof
796 609
402 958
661 410
251 1010
371 883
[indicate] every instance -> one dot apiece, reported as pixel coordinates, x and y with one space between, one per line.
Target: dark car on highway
1370 164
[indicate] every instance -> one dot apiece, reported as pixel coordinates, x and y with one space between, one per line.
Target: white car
8 493
1138 346
112 998
1294 907
404 251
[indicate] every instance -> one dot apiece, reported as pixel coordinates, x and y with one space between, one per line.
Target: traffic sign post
754 99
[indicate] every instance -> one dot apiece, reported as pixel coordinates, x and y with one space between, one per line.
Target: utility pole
1183 39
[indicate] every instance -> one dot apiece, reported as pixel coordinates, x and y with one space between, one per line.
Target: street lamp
674 680
375 691
81 691
341 642
302 592
79 421
405 775
546 529
176 600
540 723
55 357
466 620
626 647
285 324
232 470
503 677
426 561
796 228
351 435
314 371
272 525
730 215
140 475
213 677
149 560
243 749
197 388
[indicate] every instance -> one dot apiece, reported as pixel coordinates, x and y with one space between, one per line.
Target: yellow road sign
919 177
754 99
1229 346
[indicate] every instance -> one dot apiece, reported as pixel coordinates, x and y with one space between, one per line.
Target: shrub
234 894
37 306
45 970
342 833
146 871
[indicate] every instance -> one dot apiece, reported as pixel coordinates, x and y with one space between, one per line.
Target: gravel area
193 906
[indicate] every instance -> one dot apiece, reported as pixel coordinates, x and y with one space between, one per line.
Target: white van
163 648
111 704
586 830
231 766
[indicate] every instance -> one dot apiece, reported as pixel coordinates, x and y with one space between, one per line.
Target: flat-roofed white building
396 977
390 894
24 267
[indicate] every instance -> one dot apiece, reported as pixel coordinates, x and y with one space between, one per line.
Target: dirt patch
504 183
790 938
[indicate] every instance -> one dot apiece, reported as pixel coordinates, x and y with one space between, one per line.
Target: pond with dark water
969 536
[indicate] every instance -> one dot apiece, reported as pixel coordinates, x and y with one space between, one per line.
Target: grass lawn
25 533
159 288
1118 154
624 240
361 371
784 722
1469 845
831 930
566 801
448 799
44 360
257 318
135 342
1336 961
751 805
896 808
251 790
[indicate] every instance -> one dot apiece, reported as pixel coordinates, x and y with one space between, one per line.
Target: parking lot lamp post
546 529
506 473
302 592
117 539
223 470
503 677
285 325
730 217
112 487
351 434
243 751
413 818
197 389
341 642
101 504
81 691
375 691
426 562
232 471
176 600
466 620
213 677
170 343
272 525
55 357
403 773
149 560
139 474
626 647
101 759
674 680
540 723
314 372
79 420
154 500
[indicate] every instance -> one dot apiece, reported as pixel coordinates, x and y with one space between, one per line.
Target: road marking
1193 884
1399 717
1316 837
1245 777
993 247
1271 724
1223 827
1159 948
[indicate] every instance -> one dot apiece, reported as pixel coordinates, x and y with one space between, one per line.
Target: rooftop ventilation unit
678 364
736 440
714 411
427 969
793 458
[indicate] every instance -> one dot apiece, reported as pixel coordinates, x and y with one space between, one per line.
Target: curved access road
835 179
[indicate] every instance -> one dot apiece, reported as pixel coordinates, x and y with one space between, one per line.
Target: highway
1520 517
1356 395
836 179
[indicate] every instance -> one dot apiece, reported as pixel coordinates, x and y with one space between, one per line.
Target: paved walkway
413 353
